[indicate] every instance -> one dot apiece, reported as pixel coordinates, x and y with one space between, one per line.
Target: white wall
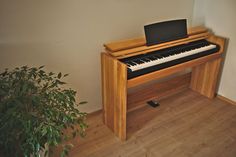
220 16
67 35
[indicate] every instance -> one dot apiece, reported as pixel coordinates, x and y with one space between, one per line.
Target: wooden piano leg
114 95
204 78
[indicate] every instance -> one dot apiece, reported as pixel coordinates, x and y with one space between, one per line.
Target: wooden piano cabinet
118 102
114 93
204 78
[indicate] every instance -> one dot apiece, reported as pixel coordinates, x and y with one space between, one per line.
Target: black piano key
145 59
158 56
138 61
131 63
151 58
142 59
165 55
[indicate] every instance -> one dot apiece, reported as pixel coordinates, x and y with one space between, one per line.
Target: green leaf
44 131
51 73
59 75
37 147
66 75
60 82
83 102
4 73
24 67
46 153
41 67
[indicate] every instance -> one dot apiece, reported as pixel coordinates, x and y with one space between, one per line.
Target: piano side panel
106 87
121 101
204 77
114 94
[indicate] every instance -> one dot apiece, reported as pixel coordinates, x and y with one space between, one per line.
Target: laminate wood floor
184 125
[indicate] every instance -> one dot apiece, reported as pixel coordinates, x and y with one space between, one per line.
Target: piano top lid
138 42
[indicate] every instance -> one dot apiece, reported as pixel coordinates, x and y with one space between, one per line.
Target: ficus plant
35 110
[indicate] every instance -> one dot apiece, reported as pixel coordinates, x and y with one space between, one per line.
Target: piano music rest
118 101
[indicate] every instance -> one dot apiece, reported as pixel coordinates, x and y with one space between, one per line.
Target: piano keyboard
146 63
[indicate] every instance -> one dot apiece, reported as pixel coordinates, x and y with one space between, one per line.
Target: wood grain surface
114 94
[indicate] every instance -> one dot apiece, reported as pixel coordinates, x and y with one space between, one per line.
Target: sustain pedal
153 103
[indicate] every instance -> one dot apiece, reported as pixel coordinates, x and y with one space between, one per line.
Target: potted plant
35 110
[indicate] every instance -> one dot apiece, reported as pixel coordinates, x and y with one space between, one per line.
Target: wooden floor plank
184 125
